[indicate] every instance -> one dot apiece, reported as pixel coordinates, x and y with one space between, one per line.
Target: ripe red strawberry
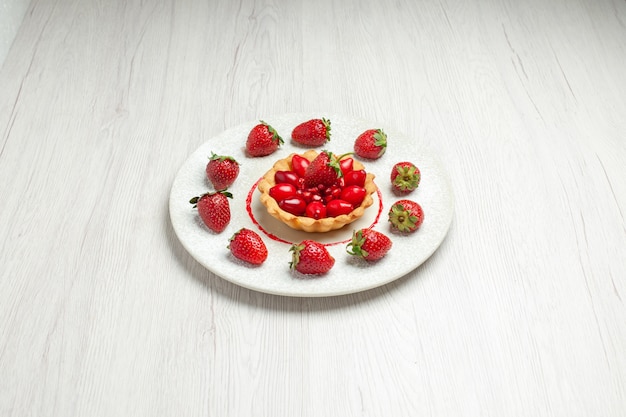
324 170
371 144
248 246
314 132
263 140
405 177
406 216
214 209
369 244
311 257
222 171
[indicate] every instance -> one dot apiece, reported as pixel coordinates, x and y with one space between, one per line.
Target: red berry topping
323 183
295 205
353 194
315 210
289 177
299 164
355 178
282 191
346 165
336 208
324 170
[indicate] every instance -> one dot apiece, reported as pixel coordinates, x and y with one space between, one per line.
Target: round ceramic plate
349 274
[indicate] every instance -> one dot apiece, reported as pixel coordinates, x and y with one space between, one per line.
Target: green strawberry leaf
275 136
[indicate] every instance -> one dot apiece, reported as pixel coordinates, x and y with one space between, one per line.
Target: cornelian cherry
288 177
338 207
355 178
346 165
316 210
294 205
305 194
282 191
299 164
353 194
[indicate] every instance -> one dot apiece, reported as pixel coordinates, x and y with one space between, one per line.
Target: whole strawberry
314 132
222 171
263 140
311 258
405 177
369 244
406 216
323 170
371 144
248 246
214 209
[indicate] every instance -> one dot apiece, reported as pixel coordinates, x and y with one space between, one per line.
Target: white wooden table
520 312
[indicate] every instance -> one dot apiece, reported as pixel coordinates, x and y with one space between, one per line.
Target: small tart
309 224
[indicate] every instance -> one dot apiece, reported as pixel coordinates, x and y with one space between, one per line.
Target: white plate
349 275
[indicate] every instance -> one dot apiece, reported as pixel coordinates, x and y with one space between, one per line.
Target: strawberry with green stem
222 171
324 170
311 258
263 140
214 209
371 144
406 216
314 132
248 246
369 244
405 177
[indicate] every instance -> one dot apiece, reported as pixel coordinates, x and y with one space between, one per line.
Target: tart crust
309 224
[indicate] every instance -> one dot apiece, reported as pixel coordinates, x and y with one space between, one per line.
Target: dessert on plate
317 191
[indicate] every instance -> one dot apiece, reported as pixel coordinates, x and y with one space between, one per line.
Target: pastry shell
309 224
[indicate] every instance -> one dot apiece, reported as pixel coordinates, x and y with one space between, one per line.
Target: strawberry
405 177
311 257
369 244
263 140
406 216
314 132
248 246
323 170
222 171
214 209
371 144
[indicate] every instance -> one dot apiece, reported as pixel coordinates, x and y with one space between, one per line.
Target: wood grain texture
520 312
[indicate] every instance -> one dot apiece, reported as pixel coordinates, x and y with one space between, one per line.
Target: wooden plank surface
520 312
